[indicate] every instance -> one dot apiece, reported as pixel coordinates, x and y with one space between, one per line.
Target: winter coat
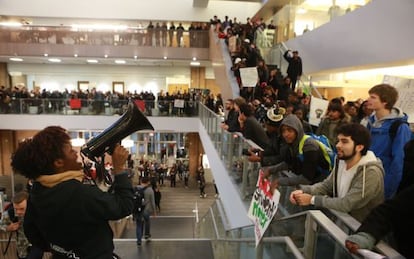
391 152
396 216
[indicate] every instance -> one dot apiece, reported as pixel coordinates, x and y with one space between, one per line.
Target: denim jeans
143 224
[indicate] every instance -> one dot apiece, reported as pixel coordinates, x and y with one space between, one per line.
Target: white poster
179 103
405 87
249 76
318 109
263 207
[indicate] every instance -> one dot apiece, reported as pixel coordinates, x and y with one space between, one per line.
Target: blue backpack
328 152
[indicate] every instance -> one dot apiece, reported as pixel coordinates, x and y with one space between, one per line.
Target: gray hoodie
365 192
312 156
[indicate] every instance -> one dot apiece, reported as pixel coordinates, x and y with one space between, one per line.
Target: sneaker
139 244
147 237
201 196
205 195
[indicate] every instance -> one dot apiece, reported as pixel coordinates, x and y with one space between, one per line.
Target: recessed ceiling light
16 59
92 61
165 57
75 55
194 63
54 60
120 61
45 54
11 24
106 55
135 57
194 58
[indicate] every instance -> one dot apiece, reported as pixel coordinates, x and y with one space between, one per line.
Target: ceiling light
194 63
194 58
99 27
135 57
45 54
120 61
301 11
54 60
11 24
165 57
92 61
16 59
106 55
75 55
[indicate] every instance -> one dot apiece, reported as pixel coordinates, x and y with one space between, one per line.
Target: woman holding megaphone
65 216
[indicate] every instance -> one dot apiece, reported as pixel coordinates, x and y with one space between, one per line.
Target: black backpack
139 200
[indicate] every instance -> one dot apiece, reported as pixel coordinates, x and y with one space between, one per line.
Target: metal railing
128 36
173 107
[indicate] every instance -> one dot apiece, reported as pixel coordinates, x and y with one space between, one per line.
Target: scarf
54 179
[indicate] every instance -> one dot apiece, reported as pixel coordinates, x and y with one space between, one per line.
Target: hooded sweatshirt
365 190
313 157
391 152
68 216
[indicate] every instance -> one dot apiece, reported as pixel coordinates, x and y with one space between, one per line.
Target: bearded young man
355 185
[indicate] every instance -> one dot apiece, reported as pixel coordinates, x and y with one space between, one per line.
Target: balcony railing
129 36
176 107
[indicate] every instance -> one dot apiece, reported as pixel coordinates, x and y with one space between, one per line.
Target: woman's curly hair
35 156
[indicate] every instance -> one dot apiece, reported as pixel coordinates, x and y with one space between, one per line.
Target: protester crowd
367 137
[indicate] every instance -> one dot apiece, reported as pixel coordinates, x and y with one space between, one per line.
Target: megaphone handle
111 148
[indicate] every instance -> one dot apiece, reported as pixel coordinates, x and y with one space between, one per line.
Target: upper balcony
74 44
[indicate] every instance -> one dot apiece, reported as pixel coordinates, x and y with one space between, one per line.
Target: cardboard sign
263 206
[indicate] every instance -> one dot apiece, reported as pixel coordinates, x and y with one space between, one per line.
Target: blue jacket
390 152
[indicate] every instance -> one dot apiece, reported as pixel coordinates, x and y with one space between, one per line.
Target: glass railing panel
206 228
272 249
294 20
65 106
128 36
246 248
212 224
328 247
349 225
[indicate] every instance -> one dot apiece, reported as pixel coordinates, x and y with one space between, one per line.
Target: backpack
394 128
139 200
327 150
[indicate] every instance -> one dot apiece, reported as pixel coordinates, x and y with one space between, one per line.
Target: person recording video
65 216
12 222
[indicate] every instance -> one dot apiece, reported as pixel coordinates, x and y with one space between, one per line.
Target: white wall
378 34
92 122
177 10
135 78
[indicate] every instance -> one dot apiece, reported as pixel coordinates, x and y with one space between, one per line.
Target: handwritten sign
405 88
263 206
249 76
318 109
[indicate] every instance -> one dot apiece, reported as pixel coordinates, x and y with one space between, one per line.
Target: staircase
173 229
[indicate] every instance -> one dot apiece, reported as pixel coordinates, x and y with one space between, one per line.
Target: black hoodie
74 217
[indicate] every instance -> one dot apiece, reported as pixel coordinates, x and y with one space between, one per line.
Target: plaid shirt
22 244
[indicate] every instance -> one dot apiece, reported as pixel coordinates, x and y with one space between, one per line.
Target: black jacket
295 65
396 216
75 216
